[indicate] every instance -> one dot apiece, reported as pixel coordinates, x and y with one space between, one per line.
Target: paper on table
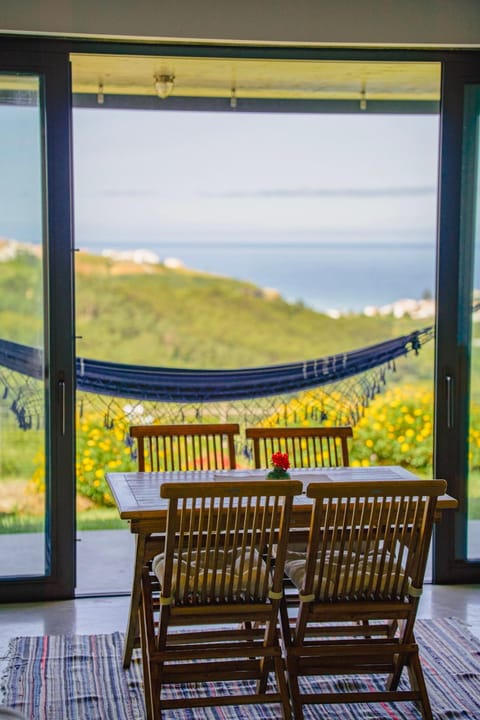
236 475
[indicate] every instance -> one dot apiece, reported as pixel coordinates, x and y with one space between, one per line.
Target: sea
346 277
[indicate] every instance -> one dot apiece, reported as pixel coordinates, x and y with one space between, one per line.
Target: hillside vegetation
152 315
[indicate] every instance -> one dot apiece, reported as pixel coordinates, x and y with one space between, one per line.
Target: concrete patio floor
105 558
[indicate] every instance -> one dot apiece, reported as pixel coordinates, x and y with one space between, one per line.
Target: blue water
346 277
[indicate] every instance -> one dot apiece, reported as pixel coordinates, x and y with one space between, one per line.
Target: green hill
153 315
157 316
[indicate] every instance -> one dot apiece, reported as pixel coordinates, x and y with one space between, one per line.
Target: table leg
132 627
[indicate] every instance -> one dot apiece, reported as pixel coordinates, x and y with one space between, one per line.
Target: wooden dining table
137 496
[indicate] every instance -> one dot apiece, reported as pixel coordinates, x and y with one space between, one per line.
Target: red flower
280 460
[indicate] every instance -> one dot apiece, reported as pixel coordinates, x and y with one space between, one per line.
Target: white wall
407 23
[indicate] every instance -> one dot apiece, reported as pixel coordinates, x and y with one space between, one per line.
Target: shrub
396 429
99 450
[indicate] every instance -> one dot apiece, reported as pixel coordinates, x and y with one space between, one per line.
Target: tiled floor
113 552
106 614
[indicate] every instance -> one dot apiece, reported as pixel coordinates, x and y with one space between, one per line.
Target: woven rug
81 678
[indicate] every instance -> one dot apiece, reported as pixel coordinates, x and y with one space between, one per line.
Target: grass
92 519
97 518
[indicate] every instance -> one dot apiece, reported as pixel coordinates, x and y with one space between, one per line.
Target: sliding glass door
458 335
471 165
22 324
36 335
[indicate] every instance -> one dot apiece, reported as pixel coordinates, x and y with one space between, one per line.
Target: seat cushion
236 573
358 572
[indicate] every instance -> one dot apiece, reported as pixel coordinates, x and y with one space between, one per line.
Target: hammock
197 387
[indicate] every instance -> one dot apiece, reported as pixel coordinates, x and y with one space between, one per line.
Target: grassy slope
155 316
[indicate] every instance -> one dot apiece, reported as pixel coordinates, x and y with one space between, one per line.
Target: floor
95 612
88 615
91 612
107 614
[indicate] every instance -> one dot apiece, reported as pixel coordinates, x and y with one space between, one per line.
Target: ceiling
204 77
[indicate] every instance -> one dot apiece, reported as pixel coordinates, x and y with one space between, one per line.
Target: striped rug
81 678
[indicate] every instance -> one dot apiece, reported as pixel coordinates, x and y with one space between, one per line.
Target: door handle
62 407
449 384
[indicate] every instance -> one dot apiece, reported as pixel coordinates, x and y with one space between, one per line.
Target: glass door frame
455 252
53 68
50 59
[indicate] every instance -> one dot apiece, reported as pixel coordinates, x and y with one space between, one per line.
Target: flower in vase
281 465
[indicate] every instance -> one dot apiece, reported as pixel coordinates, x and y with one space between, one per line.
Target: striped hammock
22 367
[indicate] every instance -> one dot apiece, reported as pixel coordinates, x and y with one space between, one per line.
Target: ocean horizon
346 277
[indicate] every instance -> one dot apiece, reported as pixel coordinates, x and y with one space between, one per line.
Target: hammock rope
190 394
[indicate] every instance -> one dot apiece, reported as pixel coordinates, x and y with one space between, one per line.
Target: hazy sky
161 174
152 176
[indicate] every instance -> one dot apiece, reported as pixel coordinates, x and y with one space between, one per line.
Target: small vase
278 474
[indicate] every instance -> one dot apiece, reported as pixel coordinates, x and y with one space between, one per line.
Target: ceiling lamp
163 85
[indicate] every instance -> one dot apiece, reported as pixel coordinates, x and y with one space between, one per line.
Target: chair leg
155 691
147 680
283 687
295 696
285 629
417 681
132 624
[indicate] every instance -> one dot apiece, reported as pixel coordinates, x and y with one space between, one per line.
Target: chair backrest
306 447
185 447
220 541
368 540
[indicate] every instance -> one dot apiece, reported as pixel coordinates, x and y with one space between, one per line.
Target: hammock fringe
195 388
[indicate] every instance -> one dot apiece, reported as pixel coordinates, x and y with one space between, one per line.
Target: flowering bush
99 450
396 429
280 464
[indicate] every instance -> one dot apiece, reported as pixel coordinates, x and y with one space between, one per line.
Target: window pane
22 409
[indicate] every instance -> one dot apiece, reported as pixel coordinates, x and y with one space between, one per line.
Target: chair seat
356 576
237 576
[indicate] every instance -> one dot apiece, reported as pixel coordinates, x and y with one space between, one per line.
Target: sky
142 177
225 174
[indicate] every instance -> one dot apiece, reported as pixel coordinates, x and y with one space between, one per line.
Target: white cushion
240 581
295 569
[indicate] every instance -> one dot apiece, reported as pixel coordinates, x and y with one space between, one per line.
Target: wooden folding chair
205 597
306 446
167 448
366 558
185 447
